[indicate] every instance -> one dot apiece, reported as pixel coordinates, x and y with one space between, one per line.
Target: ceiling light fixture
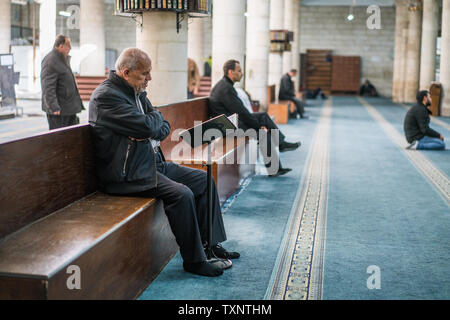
65 14
350 16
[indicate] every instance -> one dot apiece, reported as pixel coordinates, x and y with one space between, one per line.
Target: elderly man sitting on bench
127 131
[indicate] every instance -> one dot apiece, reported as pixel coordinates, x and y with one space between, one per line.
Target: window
24 22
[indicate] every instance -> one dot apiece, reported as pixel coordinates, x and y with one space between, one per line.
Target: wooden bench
53 221
278 109
228 167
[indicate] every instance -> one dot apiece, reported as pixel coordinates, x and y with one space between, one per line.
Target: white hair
130 58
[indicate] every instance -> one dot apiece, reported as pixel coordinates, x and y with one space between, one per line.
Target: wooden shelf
280 40
195 8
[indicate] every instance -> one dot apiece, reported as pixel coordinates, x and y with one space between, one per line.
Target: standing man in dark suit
225 100
287 92
60 97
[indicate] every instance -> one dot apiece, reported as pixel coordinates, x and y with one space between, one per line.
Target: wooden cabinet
318 70
345 77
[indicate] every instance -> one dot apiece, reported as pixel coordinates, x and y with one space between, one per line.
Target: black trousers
271 158
183 192
300 108
55 121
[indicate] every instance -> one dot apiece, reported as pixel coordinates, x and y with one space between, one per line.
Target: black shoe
304 117
289 146
221 252
280 172
203 268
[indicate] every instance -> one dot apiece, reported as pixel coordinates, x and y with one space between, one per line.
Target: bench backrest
182 116
271 94
44 173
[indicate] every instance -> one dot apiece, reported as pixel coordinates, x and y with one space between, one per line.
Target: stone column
412 69
258 45
445 59
228 40
276 58
429 36
92 38
207 37
401 23
288 25
296 43
195 42
47 26
5 26
168 51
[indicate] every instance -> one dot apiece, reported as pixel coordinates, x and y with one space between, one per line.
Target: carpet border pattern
298 271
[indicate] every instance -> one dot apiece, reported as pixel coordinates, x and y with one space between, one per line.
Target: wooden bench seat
112 240
278 109
52 217
228 168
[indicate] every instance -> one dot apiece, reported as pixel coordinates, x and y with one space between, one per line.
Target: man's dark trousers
298 105
267 150
183 192
57 121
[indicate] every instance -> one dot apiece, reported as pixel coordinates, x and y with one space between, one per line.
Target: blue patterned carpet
377 205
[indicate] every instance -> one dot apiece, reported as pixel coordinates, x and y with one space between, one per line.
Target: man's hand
134 139
264 128
57 113
441 137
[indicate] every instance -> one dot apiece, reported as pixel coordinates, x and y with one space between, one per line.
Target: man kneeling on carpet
127 131
416 126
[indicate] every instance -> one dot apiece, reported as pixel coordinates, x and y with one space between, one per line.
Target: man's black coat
224 99
59 89
124 165
287 90
416 124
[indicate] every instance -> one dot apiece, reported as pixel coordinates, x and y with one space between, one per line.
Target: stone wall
120 32
327 28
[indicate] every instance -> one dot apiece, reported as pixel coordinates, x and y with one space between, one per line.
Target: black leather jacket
124 165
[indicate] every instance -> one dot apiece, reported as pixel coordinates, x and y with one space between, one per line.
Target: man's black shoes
220 252
289 146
